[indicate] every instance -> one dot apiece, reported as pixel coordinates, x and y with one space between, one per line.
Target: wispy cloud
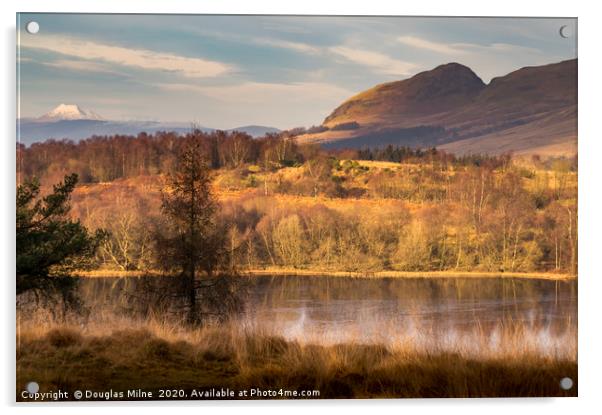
463 48
82 66
420 43
375 60
258 92
499 48
285 44
118 55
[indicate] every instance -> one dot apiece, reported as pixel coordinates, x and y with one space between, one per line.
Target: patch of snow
70 112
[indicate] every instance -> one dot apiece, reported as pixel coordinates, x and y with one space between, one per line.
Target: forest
288 206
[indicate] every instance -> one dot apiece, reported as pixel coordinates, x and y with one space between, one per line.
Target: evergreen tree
191 244
49 244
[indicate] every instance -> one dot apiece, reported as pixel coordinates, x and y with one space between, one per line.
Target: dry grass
152 355
280 271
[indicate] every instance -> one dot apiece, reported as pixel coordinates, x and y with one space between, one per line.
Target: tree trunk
192 305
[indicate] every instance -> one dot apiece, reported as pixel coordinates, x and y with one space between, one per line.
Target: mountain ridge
532 109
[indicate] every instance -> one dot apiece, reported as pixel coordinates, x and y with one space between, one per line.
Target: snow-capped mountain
70 112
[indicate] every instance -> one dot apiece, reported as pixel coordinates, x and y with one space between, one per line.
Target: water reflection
468 313
446 312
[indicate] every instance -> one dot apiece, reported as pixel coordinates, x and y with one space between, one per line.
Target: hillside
531 110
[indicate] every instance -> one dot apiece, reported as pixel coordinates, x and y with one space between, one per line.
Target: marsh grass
151 355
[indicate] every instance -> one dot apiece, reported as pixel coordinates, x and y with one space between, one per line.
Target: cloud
138 58
419 43
259 41
463 48
81 66
262 92
284 44
498 48
378 61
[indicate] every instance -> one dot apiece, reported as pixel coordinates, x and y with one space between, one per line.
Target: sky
280 71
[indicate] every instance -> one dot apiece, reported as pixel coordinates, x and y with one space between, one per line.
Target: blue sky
281 71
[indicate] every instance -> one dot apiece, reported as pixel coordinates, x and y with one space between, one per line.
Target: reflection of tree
168 298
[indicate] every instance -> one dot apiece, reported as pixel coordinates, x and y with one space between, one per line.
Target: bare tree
318 170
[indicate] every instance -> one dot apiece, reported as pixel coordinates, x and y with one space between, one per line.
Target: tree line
106 158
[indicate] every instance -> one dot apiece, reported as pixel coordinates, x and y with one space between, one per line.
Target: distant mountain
31 131
256 130
69 112
72 122
531 110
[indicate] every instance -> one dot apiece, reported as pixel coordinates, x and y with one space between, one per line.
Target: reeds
152 355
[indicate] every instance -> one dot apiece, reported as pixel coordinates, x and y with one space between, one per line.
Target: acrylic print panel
295 207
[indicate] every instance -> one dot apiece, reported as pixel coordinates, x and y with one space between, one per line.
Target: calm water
443 311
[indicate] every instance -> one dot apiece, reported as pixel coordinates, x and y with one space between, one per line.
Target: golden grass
277 271
103 273
153 355
281 271
378 164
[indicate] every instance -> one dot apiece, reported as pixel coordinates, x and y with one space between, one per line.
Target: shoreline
412 274
289 272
